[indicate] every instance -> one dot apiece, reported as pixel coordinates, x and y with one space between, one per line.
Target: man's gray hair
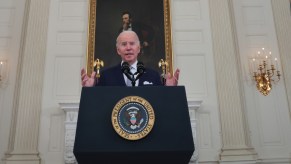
127 32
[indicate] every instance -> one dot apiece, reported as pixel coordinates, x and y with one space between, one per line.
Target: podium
170 140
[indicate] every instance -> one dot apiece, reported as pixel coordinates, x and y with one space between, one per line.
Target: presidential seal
133 117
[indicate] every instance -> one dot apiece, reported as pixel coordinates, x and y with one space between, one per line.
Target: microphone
140 70
126 70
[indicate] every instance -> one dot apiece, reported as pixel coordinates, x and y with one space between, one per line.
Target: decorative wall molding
193 107
71 110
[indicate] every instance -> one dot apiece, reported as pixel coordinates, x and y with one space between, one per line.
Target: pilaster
235 140
24 132
282 18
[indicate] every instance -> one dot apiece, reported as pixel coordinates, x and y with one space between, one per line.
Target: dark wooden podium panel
170 140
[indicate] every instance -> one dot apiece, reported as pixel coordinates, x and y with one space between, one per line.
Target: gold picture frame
91 40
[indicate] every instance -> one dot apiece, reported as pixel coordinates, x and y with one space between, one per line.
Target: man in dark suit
128 48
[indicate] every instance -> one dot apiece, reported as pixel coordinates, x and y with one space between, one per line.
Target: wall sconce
263 71
3 72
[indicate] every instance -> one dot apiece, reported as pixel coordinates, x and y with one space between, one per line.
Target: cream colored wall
195 31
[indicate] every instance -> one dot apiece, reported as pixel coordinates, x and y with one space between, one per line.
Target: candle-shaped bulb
253 68
276 61
270 55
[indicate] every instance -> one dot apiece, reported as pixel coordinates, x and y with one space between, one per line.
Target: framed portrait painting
150 19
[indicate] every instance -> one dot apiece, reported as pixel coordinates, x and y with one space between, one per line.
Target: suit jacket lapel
142 79
119 75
